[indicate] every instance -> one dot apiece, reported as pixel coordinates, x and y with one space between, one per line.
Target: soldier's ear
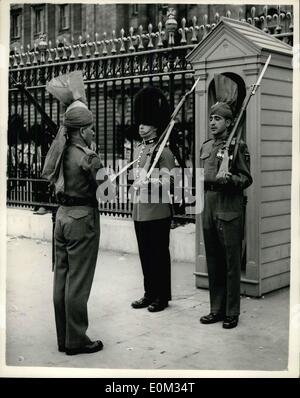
228 122
81 132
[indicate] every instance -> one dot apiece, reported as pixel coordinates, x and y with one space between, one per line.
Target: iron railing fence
111 83
114 70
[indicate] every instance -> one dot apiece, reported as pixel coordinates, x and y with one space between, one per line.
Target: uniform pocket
77 213
204 156
229 225
228 216
80 223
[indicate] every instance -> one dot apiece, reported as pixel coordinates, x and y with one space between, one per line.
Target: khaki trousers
222 220
77 233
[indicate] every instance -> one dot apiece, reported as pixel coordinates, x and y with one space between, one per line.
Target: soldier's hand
224 178
140 183
93 146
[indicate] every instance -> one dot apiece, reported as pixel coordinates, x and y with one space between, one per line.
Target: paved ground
137 339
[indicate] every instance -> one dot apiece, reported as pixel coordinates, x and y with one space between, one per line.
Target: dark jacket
241 177
154 211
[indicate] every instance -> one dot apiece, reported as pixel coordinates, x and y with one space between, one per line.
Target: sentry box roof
253 40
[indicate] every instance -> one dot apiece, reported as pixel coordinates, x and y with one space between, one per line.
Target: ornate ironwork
114 69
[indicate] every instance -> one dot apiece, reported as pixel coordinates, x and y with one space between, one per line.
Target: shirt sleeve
241 177
166 166
92 164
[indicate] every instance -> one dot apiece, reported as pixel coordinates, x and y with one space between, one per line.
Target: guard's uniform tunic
223 221
152 222
77 234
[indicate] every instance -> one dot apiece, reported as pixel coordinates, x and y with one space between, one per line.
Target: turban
221 109
67 88
77 117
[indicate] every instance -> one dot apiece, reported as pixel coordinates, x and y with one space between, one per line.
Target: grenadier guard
223 219
152 215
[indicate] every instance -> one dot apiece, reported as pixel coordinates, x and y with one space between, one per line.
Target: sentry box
239 51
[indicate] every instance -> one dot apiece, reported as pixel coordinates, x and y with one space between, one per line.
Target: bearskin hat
151 108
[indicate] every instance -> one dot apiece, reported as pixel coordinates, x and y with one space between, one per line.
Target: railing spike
72 47
21 56
278 28
289 16
122 40
35 53
113 42
96 43
57 58
88 45
105 43
182 31
28 60
150 36
131 39
65 46
160 34
140 38
15 58
80 45
194 30
49 50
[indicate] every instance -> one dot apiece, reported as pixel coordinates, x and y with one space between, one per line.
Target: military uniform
152 222
76 243
223 222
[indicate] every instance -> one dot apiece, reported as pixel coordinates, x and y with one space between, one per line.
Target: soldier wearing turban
72 167
222 219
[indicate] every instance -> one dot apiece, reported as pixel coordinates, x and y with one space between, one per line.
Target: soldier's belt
73 201
226 188
213 187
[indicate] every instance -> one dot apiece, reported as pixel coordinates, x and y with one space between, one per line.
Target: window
16 24
39 21
64 16
135 9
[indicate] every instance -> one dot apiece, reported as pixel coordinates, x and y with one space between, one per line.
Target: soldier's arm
241 177
92 164
166 166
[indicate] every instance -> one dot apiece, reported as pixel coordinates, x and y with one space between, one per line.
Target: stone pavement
137 339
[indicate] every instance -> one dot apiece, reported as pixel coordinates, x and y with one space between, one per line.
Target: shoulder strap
85 149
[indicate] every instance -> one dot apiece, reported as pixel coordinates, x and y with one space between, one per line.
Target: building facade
64 23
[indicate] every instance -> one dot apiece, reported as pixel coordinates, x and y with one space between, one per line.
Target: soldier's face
218 124
147 132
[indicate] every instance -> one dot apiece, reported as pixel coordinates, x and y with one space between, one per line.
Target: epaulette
205 143
86 150
210 139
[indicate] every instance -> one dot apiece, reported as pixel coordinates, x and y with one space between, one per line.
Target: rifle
53 129
224 167
161 141
157 150
48 121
